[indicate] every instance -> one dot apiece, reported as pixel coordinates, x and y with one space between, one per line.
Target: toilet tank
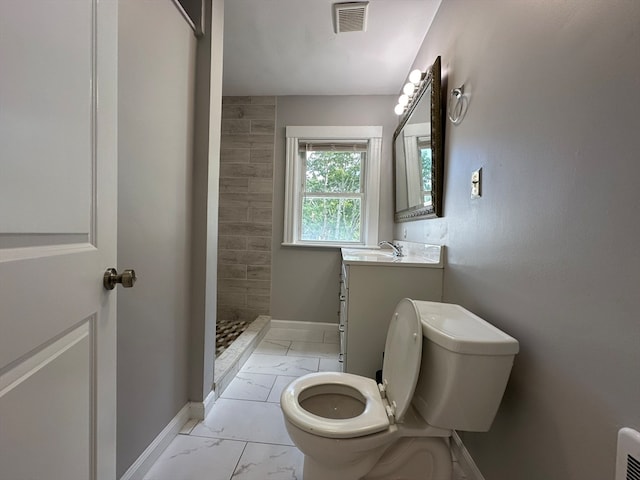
464 369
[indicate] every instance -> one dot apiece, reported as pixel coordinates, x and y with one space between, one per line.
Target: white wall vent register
628 457
350 17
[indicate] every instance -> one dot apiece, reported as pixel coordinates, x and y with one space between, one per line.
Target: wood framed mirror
418 156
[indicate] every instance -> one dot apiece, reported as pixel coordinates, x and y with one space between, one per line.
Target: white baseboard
199 410
305 325
468 466
144 462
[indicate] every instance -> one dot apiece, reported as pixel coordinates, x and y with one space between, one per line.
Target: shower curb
233 358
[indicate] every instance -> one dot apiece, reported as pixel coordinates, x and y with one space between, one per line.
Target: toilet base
314 470
422 458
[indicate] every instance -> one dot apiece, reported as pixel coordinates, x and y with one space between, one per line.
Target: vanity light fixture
416 78
409 88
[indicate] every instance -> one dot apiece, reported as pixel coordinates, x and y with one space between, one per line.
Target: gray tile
254 198
235 155
249 386
244 420
314 349
246 141
246 257
234 185
259 301
227 213
232 271
240 312
259 243
259 272
245 228
261 185
273 347
246 170
232 285
269 462
280 365
226 298
263 155
260 214
262 127
233 242
249 111
279 385
196 458
232 126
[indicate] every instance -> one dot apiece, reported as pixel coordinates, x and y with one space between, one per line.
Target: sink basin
381 256
377 253
371 253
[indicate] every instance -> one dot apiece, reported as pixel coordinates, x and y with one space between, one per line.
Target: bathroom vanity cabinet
369 293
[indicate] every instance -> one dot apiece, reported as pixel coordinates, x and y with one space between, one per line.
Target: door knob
111 278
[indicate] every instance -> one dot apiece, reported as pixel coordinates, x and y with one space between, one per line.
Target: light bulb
403 100
408 89
415 77
399 109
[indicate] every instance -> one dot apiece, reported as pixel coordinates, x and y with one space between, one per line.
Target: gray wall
304 279
206 174
155 132
246 196
550 251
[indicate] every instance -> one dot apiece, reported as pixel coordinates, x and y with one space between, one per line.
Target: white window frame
294 180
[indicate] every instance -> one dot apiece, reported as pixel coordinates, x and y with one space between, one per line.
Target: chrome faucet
397 249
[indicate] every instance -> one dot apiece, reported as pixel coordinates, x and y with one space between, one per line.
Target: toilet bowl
348 427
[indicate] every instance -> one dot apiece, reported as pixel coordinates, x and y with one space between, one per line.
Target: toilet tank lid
458 330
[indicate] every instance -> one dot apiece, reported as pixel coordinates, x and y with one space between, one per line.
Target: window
332 190
424 145
418 158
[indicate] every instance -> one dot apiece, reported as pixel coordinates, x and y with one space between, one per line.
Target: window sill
326 245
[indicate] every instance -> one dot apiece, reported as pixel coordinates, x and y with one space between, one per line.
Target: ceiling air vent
350 17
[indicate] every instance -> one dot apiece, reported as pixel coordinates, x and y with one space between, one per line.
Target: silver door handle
112 278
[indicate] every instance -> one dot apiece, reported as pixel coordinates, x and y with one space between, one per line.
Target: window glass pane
425 157
331 219
333 172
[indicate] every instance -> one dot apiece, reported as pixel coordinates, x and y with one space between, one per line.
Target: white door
58 145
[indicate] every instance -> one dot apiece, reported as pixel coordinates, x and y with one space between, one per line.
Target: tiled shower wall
246 193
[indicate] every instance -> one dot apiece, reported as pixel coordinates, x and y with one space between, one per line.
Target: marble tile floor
244 437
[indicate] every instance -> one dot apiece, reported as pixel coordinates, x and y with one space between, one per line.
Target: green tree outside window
332 196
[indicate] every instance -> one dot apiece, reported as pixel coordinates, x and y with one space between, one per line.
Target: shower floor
226 332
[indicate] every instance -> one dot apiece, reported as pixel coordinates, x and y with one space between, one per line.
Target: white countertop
415 255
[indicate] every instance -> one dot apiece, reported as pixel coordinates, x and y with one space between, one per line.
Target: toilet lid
402 356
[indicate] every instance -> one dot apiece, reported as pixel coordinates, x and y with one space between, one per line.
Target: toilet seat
384 404
372 420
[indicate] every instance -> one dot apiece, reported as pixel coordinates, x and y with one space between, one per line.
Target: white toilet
349 427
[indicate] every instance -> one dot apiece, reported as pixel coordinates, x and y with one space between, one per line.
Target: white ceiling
288 47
